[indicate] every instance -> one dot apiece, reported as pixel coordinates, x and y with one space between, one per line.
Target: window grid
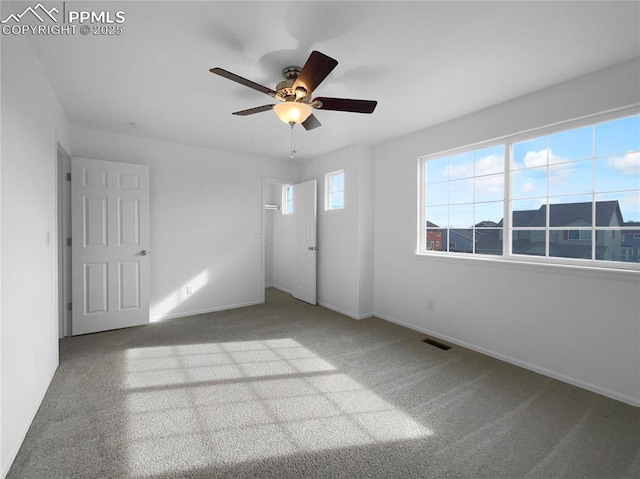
551 231
468 237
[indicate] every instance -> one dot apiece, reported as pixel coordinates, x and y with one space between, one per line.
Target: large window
565 196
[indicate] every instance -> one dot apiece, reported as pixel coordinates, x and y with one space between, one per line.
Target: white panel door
304 210
110 245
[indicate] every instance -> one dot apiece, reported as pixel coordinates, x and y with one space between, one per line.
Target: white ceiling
425 63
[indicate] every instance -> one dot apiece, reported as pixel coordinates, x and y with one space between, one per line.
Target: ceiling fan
294 93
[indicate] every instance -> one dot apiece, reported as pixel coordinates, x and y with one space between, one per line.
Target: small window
580 235
334 190
287 199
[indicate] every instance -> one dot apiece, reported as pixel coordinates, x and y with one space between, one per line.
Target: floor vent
437 344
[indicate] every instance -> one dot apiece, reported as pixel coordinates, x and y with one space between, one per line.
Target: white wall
579 325
32 123
365 230
345 236
206 219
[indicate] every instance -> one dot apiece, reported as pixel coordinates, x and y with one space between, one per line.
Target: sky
600 162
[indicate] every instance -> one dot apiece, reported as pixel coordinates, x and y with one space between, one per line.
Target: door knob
144 252
311 248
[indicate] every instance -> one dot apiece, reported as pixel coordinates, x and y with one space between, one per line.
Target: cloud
489 165
628 164
489 188
535 158
459 171
539 158
630 206
527 187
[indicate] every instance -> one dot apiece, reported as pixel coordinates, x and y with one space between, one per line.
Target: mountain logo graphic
34 11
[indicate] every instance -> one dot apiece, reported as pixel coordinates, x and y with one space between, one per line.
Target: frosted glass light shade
292 112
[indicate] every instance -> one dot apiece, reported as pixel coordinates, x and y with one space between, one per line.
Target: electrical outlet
189 289
431 304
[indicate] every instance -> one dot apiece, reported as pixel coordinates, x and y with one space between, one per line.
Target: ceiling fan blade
311 123
243 81
313 72
346 104
251 111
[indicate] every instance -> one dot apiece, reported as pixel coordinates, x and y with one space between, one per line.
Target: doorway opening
289 217
278 235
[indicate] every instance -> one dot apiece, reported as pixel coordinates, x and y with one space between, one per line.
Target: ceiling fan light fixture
292 111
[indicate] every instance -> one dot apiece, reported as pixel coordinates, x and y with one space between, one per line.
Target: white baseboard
14 453
183 314
342 311
282 288
329 306
523 364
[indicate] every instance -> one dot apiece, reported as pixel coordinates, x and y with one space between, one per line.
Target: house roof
562 214
569 214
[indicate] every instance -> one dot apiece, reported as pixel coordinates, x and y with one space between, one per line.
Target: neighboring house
568 242
488 241
630 248
489 238
435 237
461 240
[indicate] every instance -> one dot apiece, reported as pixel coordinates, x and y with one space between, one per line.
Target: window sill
622 273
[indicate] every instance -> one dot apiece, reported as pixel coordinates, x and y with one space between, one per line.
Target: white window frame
509 141
287 201
328 191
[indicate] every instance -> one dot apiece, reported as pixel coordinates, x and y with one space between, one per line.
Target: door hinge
69 306
68 241
68 176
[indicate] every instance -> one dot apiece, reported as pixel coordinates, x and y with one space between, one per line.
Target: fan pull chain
293 143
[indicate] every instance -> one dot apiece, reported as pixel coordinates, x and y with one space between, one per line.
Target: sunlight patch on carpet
219 404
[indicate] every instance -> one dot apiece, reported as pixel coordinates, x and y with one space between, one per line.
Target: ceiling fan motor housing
291 73
285 88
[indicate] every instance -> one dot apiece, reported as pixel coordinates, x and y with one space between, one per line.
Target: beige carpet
287 390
